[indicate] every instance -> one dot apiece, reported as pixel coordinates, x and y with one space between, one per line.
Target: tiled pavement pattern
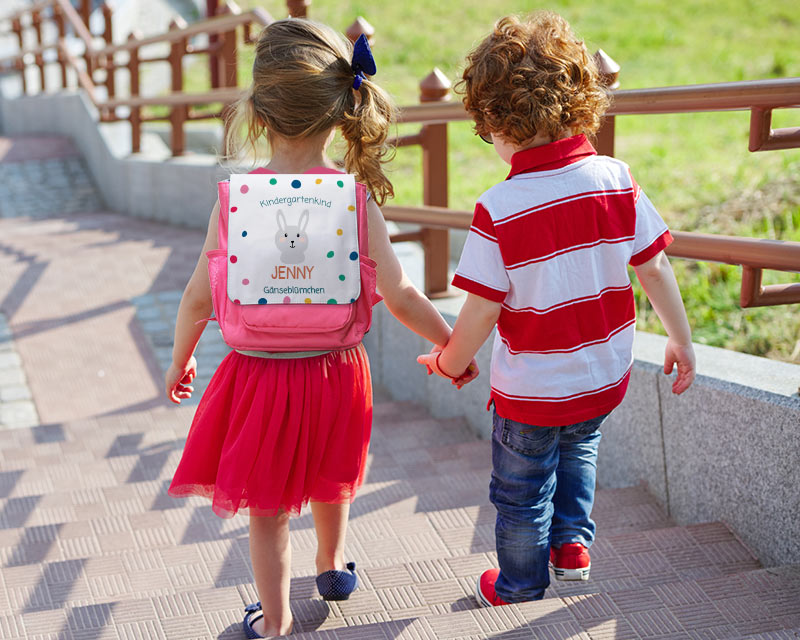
41 175
92 548
156 315
16 405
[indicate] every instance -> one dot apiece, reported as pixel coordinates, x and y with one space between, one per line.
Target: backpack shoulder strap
361 211
223 192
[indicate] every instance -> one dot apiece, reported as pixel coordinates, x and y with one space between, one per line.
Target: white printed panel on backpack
293 239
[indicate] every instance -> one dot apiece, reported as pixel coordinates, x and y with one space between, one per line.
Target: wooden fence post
435 87
609 74
36 23
227 74
16 27
135 116
178 112
298 8
360 26
227 54
108 36
58 18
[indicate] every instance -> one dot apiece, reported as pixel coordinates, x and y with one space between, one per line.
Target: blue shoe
252 613
337 585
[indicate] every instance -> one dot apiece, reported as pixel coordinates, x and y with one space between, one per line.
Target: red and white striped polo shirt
552 244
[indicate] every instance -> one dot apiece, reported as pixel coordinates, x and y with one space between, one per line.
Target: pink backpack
291 322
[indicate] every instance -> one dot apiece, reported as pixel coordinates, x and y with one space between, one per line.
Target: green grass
695 167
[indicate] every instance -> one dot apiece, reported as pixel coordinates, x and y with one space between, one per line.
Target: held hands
178 379
431 362
683 356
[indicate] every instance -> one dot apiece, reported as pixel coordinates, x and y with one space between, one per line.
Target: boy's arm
662 290
474 324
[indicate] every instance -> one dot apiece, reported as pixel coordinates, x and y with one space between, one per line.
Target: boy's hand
177 380
469 375
683 356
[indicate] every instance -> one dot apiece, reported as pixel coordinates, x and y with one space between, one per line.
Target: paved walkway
92 548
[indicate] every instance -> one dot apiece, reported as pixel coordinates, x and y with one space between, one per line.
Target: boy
546 261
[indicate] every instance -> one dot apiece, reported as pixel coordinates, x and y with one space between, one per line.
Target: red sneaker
484 589
571 562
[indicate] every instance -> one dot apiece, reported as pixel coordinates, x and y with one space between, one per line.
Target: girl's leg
271 556
330 521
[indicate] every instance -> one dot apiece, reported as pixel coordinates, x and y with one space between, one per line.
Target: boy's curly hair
531 77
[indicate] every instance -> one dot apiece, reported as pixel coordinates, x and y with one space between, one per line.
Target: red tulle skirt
271 434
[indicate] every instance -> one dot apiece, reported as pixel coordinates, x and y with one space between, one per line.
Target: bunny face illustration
292 240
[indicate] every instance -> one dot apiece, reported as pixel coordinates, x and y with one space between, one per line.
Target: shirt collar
551 156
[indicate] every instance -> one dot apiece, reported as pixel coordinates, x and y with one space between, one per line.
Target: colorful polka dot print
318 206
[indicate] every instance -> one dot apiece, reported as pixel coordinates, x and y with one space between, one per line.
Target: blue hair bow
362 62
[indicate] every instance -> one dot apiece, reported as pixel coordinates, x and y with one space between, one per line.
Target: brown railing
101 60
759 97
434 113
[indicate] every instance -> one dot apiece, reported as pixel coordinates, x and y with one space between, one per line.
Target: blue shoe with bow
337 585
252 612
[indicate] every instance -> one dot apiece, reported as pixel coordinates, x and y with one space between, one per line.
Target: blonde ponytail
302 87
243 131
365 128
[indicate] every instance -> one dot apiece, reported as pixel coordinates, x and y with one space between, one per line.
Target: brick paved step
756 604
105 553
429 599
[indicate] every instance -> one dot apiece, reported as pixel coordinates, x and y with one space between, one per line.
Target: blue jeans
542 485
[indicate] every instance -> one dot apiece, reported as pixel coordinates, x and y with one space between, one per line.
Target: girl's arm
474 324
195 307
661 288
404 301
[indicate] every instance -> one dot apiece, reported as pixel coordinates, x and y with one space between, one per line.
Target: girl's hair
530 77
303 87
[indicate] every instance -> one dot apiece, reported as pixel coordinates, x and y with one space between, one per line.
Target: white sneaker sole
572 574
479 596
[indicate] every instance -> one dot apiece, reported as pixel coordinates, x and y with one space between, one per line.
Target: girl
251 446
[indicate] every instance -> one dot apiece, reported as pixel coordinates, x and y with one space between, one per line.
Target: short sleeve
481 269
652 234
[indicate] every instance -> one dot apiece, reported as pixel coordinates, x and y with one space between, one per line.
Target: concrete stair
91 547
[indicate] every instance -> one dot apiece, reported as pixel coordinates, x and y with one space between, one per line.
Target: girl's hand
431 362
178 379
683 356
